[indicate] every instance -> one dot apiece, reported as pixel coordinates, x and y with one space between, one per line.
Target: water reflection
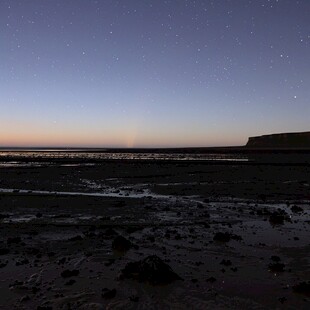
119 156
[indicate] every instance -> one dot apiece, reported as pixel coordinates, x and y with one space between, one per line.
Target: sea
33 157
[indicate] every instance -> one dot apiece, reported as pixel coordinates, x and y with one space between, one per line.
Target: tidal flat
154 234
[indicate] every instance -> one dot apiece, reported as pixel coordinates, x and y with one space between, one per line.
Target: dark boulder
278 218
275 258
302 288
108 294
69 273
3 263
4 251
3 216
23 261
11 240
226 262
151 269
222 237
296 209
121 244
70 282
276 267
134 298
76 238
226 237
110 232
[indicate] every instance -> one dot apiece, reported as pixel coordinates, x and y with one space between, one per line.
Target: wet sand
237 235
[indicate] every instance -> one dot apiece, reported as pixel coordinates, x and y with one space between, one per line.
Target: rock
3 263
32 251
92 306
276 267
134 298
110 262
25 298
133 229
151 269
18 285
211 280
4 251
151 238
35 290
119 204
70 282
222 237
206 214
11 240
110 232
21 262
276 219
108 294
226 262
35 279
296 209
32 233
226 237
178 237
282 300
121 244
62 260
4 216
302 288
76 238
199 205
70 273
89 234
275 258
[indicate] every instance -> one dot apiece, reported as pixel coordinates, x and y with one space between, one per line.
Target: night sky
152 73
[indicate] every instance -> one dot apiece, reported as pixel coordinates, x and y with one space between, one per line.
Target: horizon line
112 147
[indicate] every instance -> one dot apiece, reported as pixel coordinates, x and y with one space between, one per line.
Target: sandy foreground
229 236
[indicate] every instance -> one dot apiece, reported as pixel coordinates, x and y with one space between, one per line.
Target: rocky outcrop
151 269
282 140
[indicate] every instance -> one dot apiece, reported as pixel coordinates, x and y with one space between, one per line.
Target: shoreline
218 227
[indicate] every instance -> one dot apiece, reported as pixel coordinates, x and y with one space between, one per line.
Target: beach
84 234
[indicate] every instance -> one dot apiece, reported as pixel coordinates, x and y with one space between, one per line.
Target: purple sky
152 73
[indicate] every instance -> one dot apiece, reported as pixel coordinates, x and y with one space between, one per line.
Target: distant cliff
281 140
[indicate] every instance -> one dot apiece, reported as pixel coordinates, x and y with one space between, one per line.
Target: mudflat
155 235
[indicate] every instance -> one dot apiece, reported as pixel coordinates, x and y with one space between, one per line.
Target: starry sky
152 73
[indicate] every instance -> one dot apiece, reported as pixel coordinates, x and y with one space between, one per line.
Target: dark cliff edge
281 140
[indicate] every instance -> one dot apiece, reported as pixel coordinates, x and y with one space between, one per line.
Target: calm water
15 158
50 155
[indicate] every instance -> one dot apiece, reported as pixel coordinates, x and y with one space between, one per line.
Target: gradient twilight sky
152 73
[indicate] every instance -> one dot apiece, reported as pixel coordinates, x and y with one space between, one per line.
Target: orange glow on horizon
25 134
